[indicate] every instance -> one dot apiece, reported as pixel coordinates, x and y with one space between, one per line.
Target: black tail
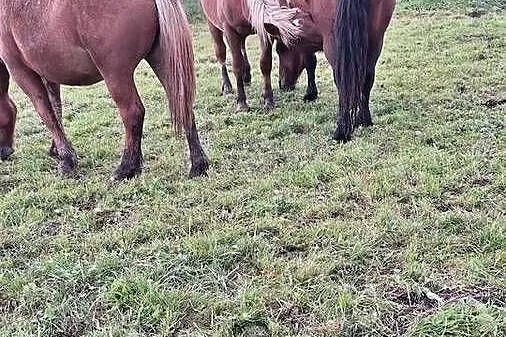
351 44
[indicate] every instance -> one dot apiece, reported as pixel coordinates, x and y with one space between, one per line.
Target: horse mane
271 12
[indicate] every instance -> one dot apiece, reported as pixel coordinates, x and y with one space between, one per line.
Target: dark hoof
53 152
242 107
67 163
5 152
310 97
199 168
365 124
287 88
226 89
269 105
125 173
341 136
66 168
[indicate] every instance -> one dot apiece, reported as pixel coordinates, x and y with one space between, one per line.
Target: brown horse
46 43
236 20
351 34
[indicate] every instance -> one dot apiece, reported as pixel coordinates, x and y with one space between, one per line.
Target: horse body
233 20
350 32
48 43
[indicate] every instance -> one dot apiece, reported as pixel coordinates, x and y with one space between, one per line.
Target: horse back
232 13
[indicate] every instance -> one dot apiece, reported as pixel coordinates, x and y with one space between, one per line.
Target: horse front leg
235 43
266 68
7 115
312 90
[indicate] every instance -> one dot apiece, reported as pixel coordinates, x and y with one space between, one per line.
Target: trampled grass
400 232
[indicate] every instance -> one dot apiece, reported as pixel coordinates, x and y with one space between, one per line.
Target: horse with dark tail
351 34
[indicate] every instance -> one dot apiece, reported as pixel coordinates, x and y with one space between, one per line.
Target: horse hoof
227 89
5 152
341 137
242 107
269 105
199 168
310 98
66 169
286 88
124 173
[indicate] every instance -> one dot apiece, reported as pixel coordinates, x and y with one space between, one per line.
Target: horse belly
71 65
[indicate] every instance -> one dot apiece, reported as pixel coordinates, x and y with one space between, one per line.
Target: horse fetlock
269 103
67 161
242 106
130 166
343 133
226 88
199 168
363 120
311 95
5 152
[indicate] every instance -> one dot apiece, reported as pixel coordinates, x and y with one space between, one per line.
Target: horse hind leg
124 93
33 86
220 49
364 117
7 115
198 158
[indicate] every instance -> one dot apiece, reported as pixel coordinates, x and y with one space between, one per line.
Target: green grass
400 232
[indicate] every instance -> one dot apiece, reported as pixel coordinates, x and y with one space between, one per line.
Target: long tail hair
351 49
177 55
270 11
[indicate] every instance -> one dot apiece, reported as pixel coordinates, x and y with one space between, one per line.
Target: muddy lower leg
124 93
7 115
312 90
344 127
266 67
235 42
364 116
198 158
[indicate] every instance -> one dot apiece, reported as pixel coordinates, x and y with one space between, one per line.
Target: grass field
400 232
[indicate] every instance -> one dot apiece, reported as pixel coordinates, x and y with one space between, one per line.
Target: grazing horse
46 43
351 33
236 20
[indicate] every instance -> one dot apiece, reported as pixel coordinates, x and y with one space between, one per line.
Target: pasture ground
401 232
